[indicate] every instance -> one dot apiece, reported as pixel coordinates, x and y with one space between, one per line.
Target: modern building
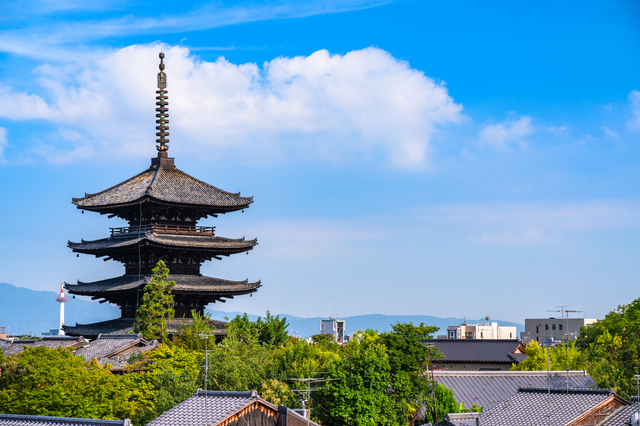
553 330
485 330
162 206
334 327
477 354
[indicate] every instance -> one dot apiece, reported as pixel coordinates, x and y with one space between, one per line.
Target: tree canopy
157 305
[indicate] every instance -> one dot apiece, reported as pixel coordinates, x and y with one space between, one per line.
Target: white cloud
634 100
608 132
365 102
506 133
3 140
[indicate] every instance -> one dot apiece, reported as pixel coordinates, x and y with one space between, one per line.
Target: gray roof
478 350
125 325
184 284
165 184
219 406
115 348
460 419
22 420
622 416
220 245
17 346
529 407
488 388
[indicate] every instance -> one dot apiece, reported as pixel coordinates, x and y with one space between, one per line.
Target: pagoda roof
184 284
209 243
125 326
166 184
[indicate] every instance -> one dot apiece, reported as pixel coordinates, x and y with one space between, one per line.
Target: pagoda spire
162 112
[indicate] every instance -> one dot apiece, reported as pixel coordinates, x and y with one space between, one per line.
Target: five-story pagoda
162 205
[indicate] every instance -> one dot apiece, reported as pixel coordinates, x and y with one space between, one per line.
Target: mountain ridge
27 311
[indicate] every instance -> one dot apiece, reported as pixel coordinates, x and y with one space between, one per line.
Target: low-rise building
477 354
552 330
334 327
485 330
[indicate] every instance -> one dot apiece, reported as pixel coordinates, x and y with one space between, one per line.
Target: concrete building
552 330
485 330
335 327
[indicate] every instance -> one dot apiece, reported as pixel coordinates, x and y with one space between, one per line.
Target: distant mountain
310 326
25 311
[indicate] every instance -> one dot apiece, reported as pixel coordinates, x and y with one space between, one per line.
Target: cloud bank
363 103
509 132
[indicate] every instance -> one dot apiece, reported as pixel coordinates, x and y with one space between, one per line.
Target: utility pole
309 381
564 311
206 375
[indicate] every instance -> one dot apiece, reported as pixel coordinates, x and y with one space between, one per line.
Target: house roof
184 284
478 350
209 408
22 420
488 388
460 419
622 416
168 185
115 348
17 346
125 325
219 245
530 406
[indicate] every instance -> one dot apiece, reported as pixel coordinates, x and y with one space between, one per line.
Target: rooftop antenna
464 320
162 111
563 311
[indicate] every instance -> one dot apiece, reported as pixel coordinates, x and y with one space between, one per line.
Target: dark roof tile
23 420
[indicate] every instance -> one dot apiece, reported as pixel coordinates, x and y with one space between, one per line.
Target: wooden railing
162 229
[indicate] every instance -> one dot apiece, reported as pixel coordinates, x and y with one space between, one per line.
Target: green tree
537 358
359 393
54 382
270 331
157 305
612 346
445 402
193 335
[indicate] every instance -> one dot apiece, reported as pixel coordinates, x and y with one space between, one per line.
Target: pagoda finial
162 111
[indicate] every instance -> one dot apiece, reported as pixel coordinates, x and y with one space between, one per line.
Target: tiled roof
184 284
201 242
530 407
208 408
166 184
114 348
477 350
125 325
622 416
17 346
460 419
22 420
488 388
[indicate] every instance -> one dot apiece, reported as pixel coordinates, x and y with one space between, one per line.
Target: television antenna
306 393
563 311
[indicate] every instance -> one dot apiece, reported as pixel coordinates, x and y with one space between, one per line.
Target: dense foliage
612 347
557 358
375 379
157 305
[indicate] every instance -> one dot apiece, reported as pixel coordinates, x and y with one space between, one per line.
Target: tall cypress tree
157 305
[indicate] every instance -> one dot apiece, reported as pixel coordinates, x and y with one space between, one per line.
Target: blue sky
409 157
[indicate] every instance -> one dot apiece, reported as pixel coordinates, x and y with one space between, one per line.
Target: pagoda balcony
132 231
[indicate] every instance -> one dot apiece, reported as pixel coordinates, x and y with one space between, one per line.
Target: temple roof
125 326
168 185
184 284
220 245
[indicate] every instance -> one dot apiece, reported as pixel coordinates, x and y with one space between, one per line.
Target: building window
553 326
546 326
537 329
510 335
559 326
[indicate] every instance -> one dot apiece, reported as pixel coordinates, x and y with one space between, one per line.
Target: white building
485 330
335 327
551 330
